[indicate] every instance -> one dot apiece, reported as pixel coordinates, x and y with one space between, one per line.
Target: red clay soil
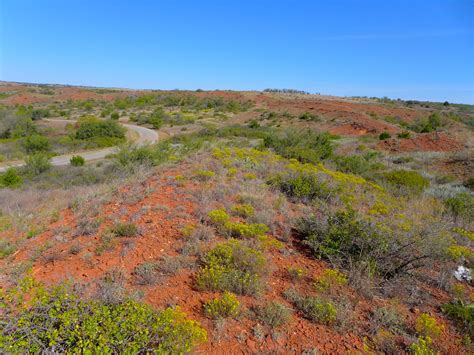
424 142
333 107
171 208
364 126
161 208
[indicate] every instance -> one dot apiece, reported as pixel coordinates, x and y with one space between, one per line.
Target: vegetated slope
156 238
273 237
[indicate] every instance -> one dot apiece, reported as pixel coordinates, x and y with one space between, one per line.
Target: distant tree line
287 91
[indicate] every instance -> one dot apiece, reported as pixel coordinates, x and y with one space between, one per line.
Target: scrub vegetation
257 223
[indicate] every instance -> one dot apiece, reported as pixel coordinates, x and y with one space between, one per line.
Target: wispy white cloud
407 35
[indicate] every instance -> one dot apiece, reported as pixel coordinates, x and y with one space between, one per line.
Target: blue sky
401 49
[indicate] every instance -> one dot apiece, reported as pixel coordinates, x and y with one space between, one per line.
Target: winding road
145 136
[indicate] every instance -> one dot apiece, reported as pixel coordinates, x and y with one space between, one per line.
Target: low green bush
58 320
6 248
233 267
346 239
77 160
132 157
330 279
304 185
404 135
305 146
37 164
315 309
218 217
243 210
35 143
295 273
155 119
125 230
254 124
387 318
205 175
146 273
358 164
222 307
384 135
469 183
423 346
10 178
406 181
461 206
40 113
273 314
90 127
429 124
114 115
244 230
428 326
462 314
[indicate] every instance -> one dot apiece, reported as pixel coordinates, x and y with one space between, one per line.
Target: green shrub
155 119
22 127
295 273
132 157
222 307
384 135
469 183
404 135
39 114
423 346
58 320
387 318
254 124
114 115
330 278
243 210
406 180
146 273
426 125
205 175
273 314
427 326
304 185
10 178
37 164
91 127
6 248
77 160
315 309
244 230
218 217
305 146
462 314
35 143
233 267
346 239
461 206
125 230
358 164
